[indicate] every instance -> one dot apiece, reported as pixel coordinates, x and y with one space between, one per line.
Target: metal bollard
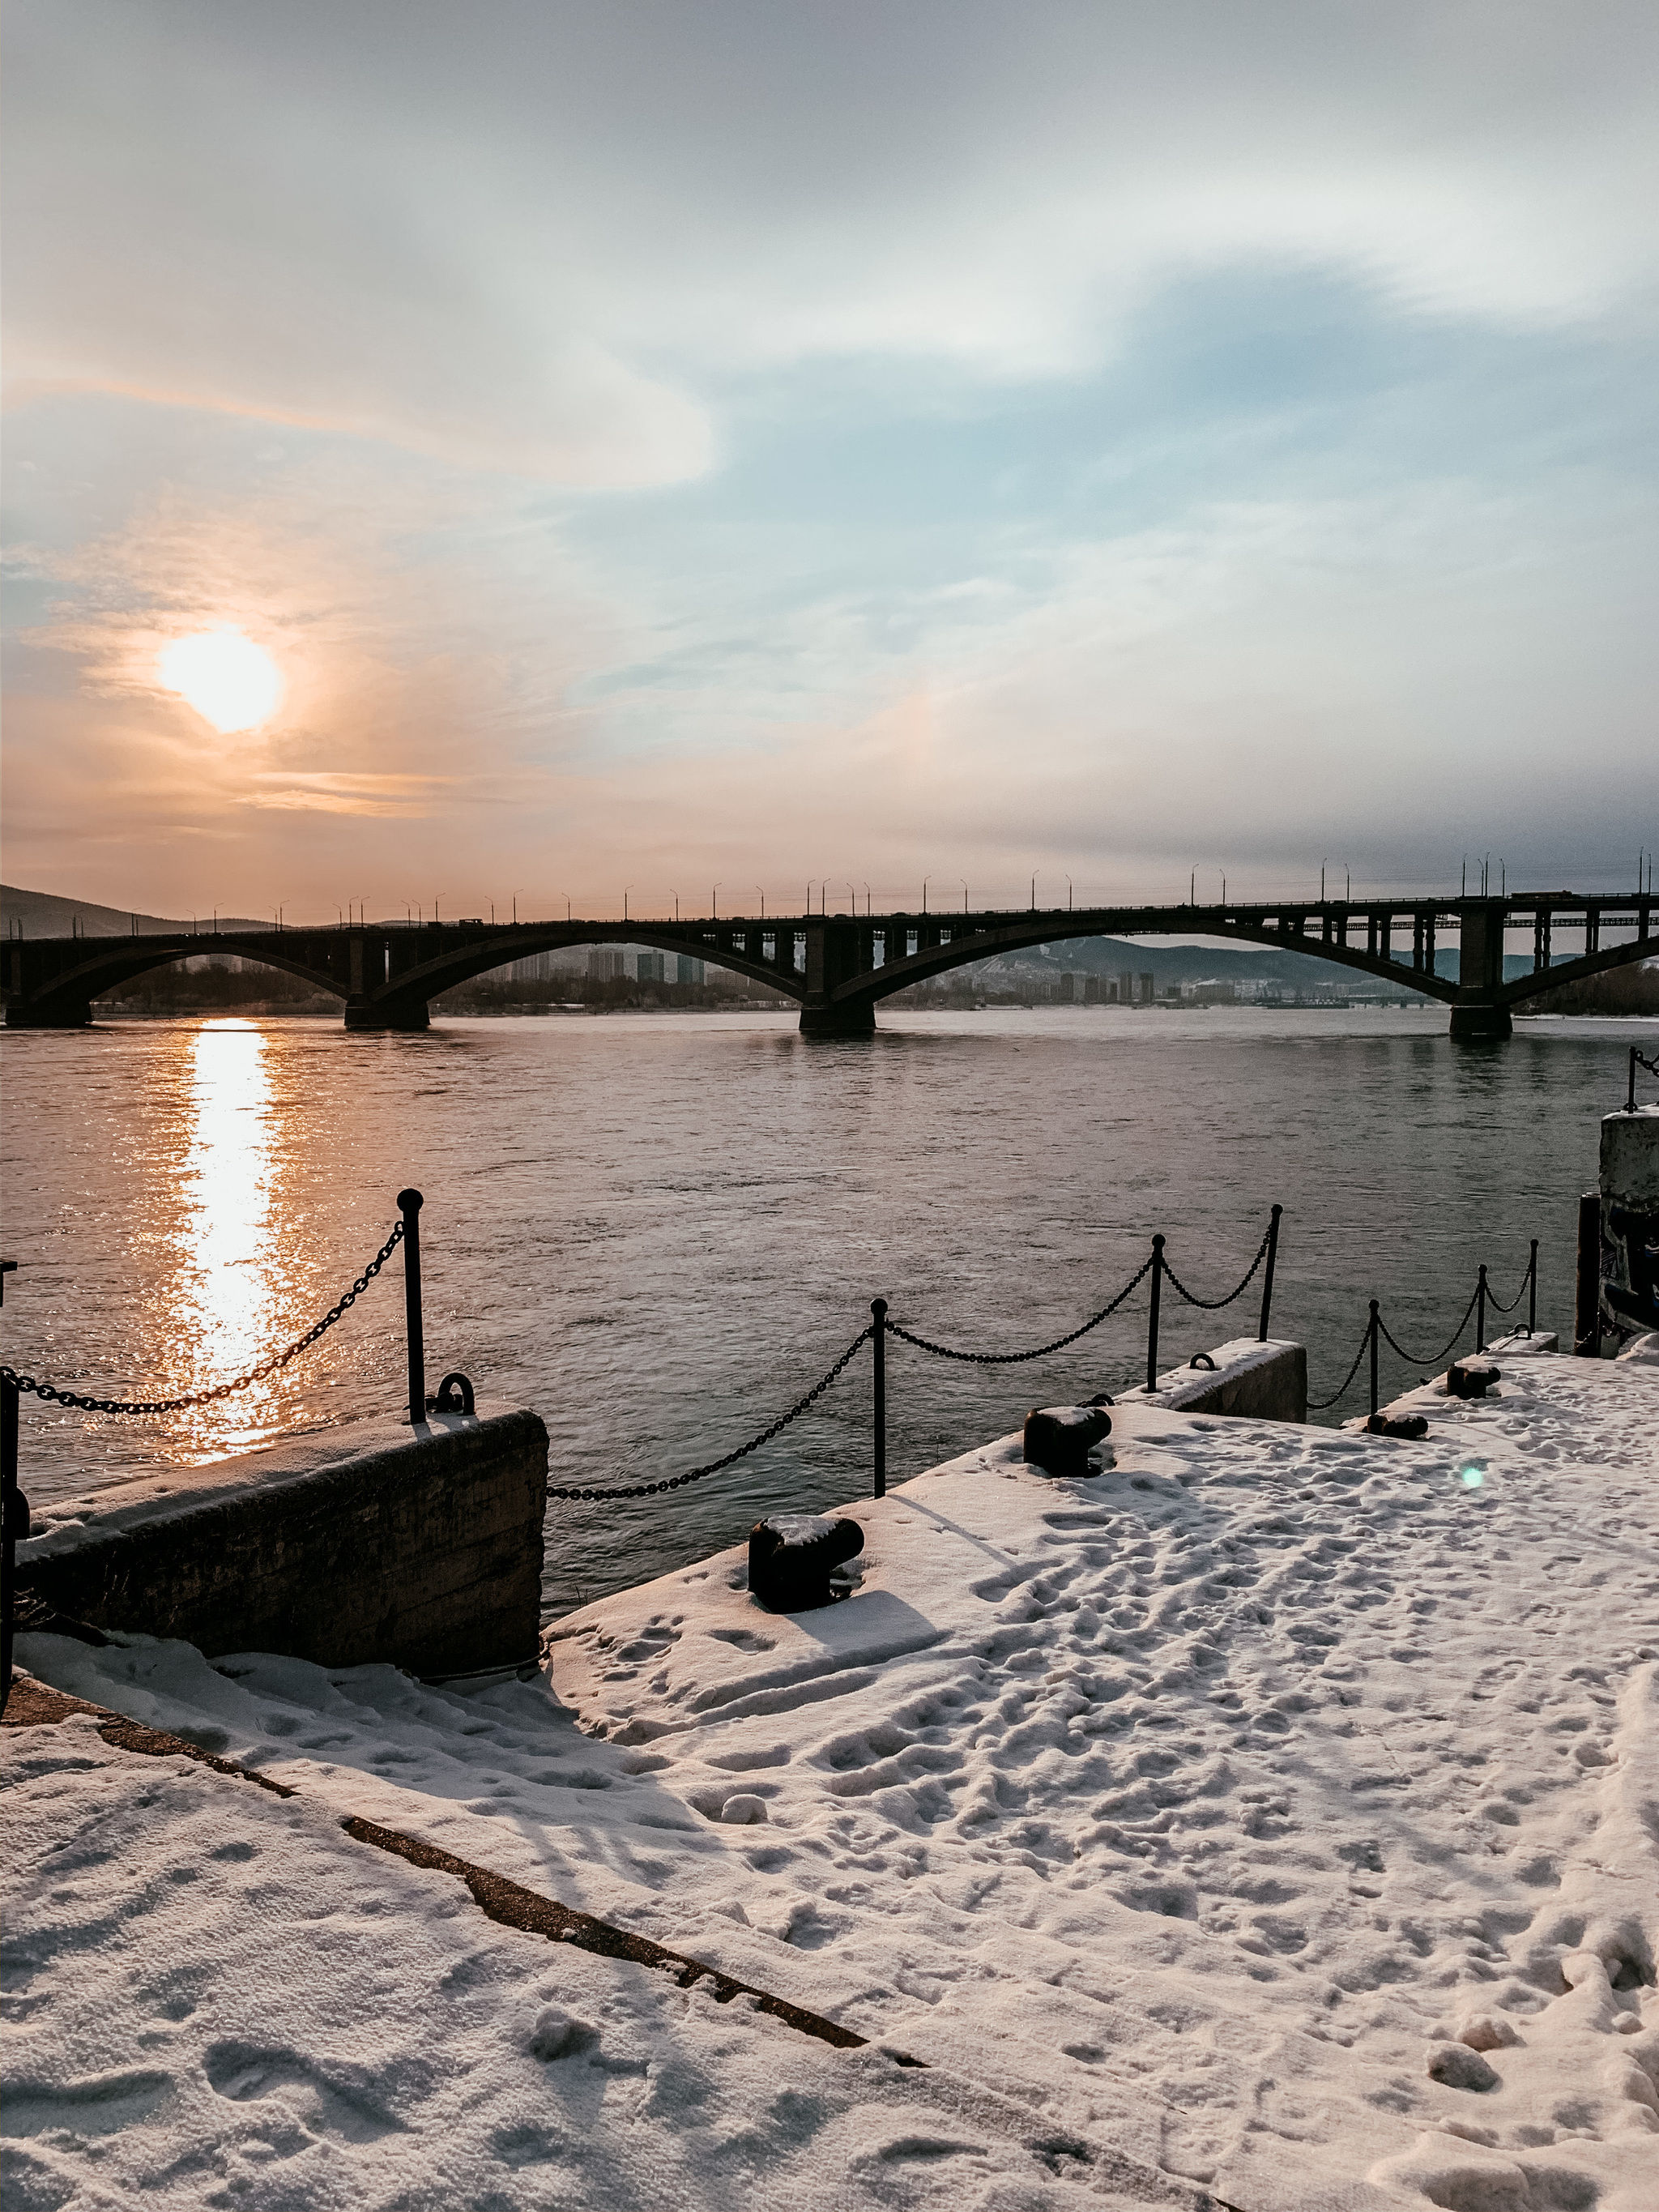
409 1201
878 1316
1268 1279
1481 1309
1152 1317
1532 1291
1373 1333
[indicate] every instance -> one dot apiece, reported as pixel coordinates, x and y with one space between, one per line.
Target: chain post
1152 1317
14 1509
410 1201
1373 1338
1532 1291
1481 1309
879 1321
1268 1279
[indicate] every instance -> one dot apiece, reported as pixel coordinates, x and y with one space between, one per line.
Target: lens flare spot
229 681
1471 1477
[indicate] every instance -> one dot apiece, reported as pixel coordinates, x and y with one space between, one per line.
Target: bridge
839 966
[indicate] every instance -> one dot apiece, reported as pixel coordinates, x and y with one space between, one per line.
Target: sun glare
230 681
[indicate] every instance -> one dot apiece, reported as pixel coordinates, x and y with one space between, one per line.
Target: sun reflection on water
228 1305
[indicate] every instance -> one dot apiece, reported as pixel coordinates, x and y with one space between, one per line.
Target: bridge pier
848 1017
1491 1023
407 1015
76 1015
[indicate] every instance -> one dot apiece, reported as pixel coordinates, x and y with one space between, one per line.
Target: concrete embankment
417 1547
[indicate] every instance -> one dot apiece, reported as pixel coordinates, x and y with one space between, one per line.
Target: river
659 1231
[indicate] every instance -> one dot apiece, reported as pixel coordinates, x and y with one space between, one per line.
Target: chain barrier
679 1481
1017 1358
1213 1305
1433 1358
1497 1305
1323 1405
271 1366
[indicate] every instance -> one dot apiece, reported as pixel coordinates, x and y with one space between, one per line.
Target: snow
1277 1810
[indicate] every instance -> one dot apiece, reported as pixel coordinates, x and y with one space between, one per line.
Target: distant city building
606 965
689 970
652 967
1126 989
1091 990
536 968
1148 989
1067 990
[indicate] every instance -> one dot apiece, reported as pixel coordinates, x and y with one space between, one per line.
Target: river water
659 1231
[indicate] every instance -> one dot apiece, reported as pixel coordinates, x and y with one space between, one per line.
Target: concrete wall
421 1547
1629 1211
1264 1381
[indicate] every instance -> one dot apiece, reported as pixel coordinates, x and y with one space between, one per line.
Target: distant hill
43 914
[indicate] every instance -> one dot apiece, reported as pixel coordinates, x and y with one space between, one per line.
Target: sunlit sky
599 446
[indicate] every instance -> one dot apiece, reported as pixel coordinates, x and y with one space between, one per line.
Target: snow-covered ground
1278 1808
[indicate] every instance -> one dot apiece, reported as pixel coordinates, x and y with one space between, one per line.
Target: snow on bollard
1058 1438
791 1556
1471 1378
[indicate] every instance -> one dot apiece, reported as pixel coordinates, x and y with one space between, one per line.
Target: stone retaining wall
421 1547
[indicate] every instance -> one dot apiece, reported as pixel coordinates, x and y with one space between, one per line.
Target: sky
698 451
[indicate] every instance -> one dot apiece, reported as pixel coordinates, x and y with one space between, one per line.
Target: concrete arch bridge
839 966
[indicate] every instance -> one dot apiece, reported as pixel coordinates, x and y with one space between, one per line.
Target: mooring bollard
878 1316
1481 1309
1152 1317
409 1201
1372 1332
1268 1279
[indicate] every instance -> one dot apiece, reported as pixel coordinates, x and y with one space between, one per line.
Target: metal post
1532 1291
1268 1279
1587 1302
14 1510
1481 1309
15 1523
409 1201
879 1315
1152 1317
1373 1332
1630 1094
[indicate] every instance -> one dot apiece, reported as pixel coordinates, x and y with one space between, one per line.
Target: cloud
526 238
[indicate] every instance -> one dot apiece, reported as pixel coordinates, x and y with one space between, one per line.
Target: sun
230 681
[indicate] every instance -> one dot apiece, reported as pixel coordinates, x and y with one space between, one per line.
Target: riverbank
1195 1812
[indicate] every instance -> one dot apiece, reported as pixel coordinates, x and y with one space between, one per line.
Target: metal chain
678 1481
270 1366
1321 1405
1211 1306
1497 1305
1015 1359
1429 1360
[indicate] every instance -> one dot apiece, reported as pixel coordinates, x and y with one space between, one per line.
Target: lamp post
1068 895
626 889
924 882
1034 878
762 900
866 902
713 908
962 880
